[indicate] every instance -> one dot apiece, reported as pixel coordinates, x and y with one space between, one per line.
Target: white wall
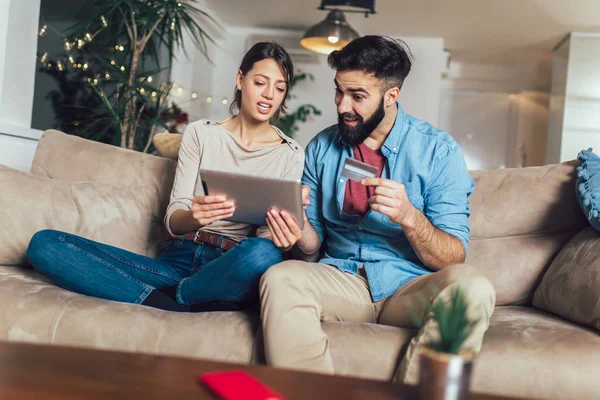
560 60
575 112
532 128
420 95
18 44
498 114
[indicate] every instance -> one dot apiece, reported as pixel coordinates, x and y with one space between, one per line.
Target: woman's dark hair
262 51
388 59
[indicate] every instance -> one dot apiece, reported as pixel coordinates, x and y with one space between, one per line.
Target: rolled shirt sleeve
447 199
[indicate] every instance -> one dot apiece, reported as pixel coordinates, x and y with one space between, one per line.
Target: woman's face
263 90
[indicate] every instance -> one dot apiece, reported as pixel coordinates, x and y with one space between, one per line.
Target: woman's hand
208 209
284 228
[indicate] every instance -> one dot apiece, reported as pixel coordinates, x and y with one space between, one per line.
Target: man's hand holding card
389 197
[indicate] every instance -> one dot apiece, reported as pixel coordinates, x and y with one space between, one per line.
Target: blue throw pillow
588 186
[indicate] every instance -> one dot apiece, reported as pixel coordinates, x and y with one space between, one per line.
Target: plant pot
444 376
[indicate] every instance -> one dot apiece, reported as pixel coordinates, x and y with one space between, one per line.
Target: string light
224 101
80 43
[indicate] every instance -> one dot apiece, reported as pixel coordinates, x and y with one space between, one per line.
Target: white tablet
253 195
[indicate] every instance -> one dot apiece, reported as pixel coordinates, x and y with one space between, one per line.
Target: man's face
360 105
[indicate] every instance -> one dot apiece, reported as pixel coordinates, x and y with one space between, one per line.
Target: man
387 240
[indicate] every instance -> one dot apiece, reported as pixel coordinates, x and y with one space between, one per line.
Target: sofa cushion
35 310
588 186
530 354
90 161
571 286
119 216
361 350
167 144
520 219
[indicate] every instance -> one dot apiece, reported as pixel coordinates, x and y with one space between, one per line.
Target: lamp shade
331 34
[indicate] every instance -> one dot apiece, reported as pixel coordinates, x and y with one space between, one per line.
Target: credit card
357 171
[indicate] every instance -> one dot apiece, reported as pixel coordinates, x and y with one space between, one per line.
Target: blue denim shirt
429 163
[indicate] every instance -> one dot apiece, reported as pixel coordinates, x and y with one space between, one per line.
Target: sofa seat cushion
366 350
35 310
531 354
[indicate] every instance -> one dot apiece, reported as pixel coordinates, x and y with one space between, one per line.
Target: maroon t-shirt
356 199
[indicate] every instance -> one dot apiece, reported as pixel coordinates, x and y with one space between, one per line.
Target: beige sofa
521 219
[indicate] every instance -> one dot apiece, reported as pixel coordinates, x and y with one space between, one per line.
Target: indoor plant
445 366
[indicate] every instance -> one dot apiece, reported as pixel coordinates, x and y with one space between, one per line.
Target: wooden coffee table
40 372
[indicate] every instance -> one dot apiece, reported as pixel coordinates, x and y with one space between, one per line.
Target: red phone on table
238 385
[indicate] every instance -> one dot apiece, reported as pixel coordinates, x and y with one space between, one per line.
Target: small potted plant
445 367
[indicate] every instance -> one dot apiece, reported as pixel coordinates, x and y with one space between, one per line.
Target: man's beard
355 135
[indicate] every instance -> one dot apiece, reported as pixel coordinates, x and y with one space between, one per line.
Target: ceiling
482 31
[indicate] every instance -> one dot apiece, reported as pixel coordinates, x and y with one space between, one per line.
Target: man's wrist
411 220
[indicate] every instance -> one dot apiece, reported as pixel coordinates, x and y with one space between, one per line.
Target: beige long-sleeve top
206 144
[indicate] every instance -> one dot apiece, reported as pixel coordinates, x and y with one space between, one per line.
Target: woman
212 262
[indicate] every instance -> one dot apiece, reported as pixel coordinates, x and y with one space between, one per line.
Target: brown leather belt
211 239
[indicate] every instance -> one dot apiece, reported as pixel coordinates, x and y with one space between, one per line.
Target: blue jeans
202 272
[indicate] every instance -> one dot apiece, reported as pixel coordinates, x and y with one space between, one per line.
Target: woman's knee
263 251
41 245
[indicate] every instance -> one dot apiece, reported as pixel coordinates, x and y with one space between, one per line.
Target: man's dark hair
388 59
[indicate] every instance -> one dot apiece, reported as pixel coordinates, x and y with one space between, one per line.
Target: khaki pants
296 296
